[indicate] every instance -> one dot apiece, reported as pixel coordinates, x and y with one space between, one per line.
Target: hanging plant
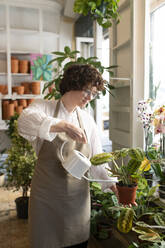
70 58
103 11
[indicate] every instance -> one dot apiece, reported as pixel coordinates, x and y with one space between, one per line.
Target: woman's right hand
71 130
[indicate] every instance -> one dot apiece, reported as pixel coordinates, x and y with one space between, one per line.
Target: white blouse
34 125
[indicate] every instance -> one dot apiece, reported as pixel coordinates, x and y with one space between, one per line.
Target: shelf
20 74
50 34
120 137
123 109
3 73
119 46
2 51
120 82
24 31
24 96
23 52
2 29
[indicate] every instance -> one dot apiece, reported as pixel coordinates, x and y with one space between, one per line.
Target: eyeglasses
88 93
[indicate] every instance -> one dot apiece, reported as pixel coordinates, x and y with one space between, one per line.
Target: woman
60 204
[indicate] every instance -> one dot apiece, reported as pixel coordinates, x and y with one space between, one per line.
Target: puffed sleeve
100 171
35 121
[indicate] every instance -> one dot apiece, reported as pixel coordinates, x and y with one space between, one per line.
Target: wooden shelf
120 82
2 51
20 74
120 137
23 52
3 73
123 109
24 96
119 46
2 29
24 31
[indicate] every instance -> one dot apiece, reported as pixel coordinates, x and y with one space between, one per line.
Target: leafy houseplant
69 57
19 167
133 165
103 11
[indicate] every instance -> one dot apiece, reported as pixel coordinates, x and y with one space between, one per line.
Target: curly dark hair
80 77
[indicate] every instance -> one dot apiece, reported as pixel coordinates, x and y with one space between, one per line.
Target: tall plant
67 58
20 161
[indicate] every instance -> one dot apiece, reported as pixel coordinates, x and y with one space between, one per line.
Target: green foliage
69 57
102 217
20 161
130 170
103 11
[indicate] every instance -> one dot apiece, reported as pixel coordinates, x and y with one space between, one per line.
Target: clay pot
3 89
14 65
18 89
15 102
29 101
19 109
26 87
23 102
35 88
4 109
9 110
127 195
23 66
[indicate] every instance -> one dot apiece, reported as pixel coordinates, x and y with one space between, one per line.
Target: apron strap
81 123
57 108
78 117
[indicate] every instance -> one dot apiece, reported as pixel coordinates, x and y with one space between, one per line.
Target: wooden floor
14 231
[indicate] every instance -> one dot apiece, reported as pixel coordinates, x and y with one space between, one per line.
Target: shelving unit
25 28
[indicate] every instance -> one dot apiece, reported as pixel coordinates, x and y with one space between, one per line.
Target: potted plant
19 166
103 11
133 164
69 58
102 219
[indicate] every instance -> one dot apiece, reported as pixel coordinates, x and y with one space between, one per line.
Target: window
157 55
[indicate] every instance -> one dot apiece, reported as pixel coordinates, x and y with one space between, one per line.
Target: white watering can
77 165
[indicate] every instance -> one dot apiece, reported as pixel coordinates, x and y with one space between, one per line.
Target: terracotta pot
19 109
35 88
15 102
9 110
29 101
23 102
127 195
18 89
4 109
14 65
3 89
26 87
23 66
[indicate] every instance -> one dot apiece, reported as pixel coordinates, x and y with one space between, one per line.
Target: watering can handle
61 150
112 180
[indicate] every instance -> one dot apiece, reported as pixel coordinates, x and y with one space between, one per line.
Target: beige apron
59 211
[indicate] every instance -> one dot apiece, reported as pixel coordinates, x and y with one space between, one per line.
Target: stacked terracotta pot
27 88
9 107
19 66
3 89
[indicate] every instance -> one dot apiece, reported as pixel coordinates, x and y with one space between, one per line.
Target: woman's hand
71 130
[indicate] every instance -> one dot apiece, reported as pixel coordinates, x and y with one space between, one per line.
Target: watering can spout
77 164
